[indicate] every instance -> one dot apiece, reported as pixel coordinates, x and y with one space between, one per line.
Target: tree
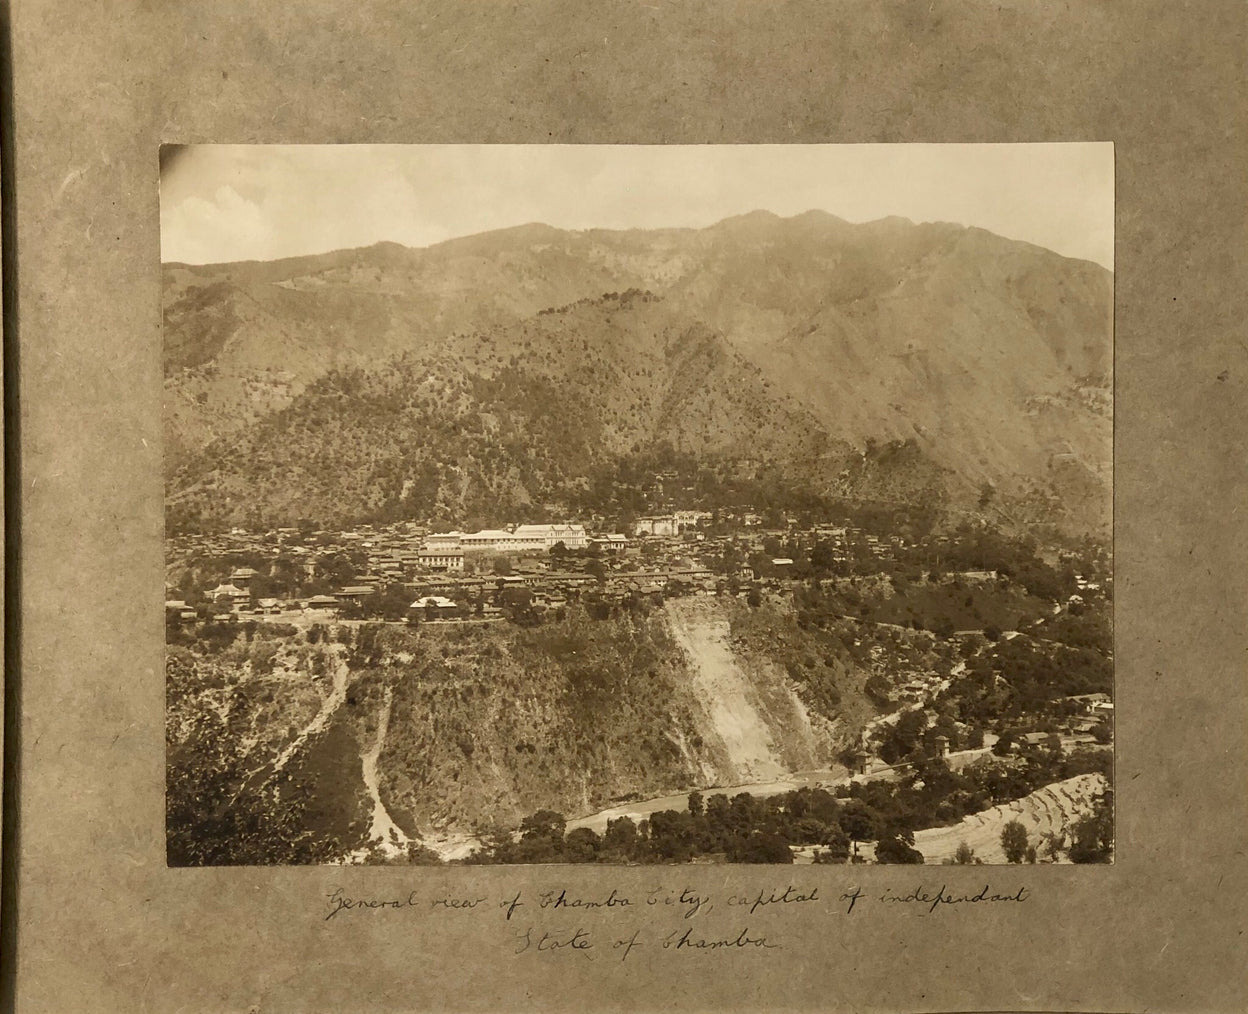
858 821
759 847
836 845
621 837
218 814
718 810
223 805
581 846
1014 842
810 831
697 806
543 824
389 603
965 855
337 570
901 738
1092 837
896 846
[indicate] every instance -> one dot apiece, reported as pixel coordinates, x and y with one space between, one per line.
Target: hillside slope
451 727
473 428
1047 811
572 716
992 357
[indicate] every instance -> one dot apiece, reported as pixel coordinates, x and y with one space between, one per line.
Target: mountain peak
758 217
817 216
890 222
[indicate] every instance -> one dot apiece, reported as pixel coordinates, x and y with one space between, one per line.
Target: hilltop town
971 645
404 572
538 545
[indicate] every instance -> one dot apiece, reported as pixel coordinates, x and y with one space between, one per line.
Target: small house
237 598
441 559
432 607
243 576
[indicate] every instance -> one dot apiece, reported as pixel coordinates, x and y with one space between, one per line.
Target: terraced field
1047 810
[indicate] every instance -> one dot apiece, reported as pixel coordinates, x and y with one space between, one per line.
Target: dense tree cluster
740 829
278 575
1092 837
745 828
1025 682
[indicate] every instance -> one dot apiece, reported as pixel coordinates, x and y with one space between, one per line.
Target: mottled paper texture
103 925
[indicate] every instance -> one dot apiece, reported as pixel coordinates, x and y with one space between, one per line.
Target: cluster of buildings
678 552
671 548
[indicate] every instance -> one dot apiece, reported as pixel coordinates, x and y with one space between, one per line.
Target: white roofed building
533 538
441 559
487 538
238 597
572 536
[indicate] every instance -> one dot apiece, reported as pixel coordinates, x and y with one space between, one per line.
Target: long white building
540 538
572 536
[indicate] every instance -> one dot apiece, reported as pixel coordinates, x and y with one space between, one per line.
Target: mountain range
514 369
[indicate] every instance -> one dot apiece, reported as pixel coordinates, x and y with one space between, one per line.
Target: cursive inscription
551 899
789 896
339 902
541 941
688 941
693 903
920 896
611 921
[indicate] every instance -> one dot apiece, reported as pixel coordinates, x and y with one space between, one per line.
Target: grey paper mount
100 924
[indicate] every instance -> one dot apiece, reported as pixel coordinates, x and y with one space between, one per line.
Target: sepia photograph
638 504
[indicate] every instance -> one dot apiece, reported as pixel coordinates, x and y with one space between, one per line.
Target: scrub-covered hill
802 342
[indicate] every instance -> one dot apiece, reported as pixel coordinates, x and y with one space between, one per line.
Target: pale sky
223 203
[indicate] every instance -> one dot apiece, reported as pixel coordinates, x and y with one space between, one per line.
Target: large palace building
540 538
